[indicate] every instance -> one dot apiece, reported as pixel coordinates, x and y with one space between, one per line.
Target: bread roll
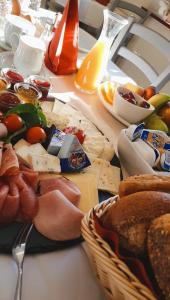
130 217
146 182
159 251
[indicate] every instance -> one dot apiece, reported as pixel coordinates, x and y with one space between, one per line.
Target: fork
18 252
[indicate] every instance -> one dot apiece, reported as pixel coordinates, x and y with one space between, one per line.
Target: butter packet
165 158
155 138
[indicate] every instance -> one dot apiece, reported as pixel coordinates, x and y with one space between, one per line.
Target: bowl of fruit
131 106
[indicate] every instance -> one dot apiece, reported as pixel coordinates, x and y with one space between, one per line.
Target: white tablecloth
67 274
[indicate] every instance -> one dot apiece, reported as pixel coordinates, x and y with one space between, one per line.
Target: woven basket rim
127 280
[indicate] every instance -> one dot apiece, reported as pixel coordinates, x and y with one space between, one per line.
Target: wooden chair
133 9
120 49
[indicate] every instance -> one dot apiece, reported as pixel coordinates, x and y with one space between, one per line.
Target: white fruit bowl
130 112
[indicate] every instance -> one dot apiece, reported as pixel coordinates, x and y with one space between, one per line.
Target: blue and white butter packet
72 156
165 158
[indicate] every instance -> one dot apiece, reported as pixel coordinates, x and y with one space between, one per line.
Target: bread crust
146 182
159 251
130 217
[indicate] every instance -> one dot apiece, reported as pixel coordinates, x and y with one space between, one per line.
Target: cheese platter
57 148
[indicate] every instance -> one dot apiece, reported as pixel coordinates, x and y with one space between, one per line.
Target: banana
159 100
154 122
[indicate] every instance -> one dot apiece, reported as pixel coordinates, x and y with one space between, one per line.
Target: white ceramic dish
130 112
16 26
110 108
137 165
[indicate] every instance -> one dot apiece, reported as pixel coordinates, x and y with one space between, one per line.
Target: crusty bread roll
130 217
146 182
159 252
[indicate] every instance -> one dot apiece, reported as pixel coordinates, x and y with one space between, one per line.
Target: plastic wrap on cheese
72 156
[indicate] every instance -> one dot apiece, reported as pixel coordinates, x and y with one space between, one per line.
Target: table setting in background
72 125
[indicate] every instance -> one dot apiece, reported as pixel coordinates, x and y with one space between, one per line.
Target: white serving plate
110 108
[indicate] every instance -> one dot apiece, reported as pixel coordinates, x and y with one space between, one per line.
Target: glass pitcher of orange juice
93 66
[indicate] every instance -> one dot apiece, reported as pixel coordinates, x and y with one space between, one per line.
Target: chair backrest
132 8
120 49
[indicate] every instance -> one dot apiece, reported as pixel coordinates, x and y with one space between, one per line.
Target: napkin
62 52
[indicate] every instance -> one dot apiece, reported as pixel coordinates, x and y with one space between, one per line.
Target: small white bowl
130 112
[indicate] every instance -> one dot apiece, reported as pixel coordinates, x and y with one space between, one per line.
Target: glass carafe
93 66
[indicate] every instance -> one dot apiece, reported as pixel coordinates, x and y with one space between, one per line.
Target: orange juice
92 68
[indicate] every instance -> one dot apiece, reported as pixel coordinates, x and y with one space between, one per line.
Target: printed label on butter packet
138 131
155 138
165 158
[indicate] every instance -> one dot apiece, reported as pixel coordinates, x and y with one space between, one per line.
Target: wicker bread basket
117 280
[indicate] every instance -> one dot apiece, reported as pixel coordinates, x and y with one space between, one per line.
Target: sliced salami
4 189
9 164
65 186
28 203
1 150
30 176
11 205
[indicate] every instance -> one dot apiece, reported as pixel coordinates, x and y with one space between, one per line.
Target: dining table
65 274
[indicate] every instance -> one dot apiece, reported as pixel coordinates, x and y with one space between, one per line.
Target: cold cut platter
54 162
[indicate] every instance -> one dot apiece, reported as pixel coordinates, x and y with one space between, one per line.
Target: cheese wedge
21 143
37 149
24 150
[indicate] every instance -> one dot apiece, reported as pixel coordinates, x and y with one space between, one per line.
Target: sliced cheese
21 143
88 187
45 163
107 176
37 149
94 145
23 152
108 151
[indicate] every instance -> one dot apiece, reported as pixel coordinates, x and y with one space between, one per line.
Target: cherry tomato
77 132
35 135
13 123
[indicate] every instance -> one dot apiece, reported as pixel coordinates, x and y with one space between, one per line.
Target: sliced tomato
13 123
36 135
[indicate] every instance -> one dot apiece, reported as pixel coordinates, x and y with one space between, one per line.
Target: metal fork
18 252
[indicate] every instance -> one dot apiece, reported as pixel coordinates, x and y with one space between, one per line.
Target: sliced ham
30 176
1 150
28 203
11 205
67 187
9 163
18 180
57 217
4 189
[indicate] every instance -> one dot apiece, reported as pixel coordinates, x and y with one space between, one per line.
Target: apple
149 92
164 113
134 88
